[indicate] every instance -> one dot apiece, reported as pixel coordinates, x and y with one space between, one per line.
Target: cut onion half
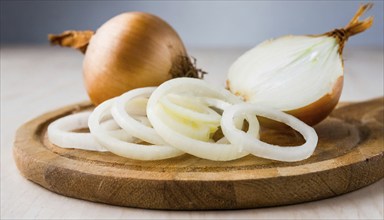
61 133
123 148
301 75
262 149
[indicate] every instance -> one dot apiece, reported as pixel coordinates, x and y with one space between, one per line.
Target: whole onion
129 51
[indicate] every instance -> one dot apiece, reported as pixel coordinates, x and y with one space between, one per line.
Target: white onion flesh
128 123
180 116
61 133
198 148
121 147
262 149
191 108
276 71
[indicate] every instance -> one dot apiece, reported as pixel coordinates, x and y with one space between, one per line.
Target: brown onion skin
129 51
317 111
314 112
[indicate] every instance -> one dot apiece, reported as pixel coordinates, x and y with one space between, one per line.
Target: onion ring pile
182 115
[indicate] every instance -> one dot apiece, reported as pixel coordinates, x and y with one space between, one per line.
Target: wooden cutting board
349 156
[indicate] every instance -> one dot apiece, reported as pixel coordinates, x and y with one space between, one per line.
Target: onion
191 108
262 149
121 147
62 133
174 132
112 128
129 51
130 124
300 75
183 117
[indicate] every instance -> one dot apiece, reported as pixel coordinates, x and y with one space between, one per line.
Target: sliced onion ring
202 149
60 133
130 124
123 148
262 149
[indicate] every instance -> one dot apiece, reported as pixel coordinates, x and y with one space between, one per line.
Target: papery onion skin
129 51
313 113
317 111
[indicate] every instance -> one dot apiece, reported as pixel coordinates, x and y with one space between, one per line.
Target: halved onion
123 148
262 149
300 75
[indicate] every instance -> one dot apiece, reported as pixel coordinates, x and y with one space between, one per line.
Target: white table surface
37 79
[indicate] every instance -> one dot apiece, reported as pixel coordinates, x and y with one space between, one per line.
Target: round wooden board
349 156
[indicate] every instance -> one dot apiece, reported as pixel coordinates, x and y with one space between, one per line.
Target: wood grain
349 156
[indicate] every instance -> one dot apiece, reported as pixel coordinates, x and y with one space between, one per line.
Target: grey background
199 23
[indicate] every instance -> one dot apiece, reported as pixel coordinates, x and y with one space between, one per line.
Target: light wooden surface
349 155
35 80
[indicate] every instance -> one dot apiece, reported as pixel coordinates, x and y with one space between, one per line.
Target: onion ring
202 149
180 116
262 149
123 148
114 129
128 123
60 133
